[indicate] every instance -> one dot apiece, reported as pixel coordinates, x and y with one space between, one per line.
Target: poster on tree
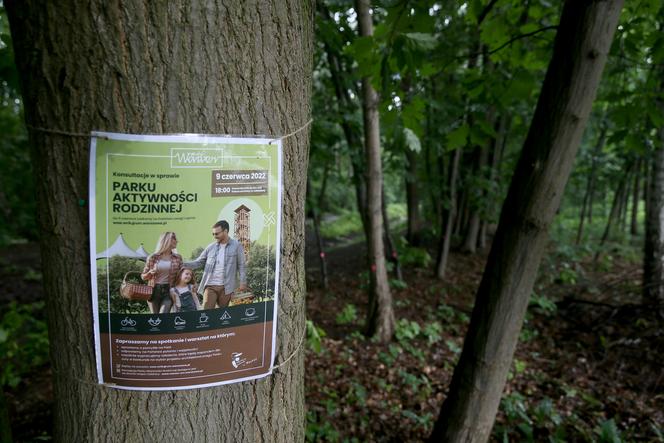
184 249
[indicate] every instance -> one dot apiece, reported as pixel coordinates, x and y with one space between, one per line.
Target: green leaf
487 128
633 142
458 137
422 41
656 116
412 141
365 51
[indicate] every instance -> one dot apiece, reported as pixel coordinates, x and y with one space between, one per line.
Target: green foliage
17 191
397 284
424 421
406 330
412 256
117 268
347 315
315 336
320 430
525 423
432 332
344 224
389 357
260 271
543 304
23 342
607 432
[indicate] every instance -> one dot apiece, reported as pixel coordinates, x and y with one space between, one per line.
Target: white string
290 134
294 352
84 135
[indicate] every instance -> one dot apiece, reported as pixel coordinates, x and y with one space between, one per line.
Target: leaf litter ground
593 361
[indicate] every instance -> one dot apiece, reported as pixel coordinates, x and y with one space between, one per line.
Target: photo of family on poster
218 275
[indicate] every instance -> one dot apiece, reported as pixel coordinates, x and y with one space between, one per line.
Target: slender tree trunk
624 200
587 198
412 199
498 147
614 214
580 51
461 209
474 229
151 67
315 205
449 214
392 254
636 196
653 268
345 105
380 316
430 162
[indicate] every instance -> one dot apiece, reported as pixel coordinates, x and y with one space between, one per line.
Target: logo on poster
238 361
188 158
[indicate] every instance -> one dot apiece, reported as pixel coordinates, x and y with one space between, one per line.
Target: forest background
457 87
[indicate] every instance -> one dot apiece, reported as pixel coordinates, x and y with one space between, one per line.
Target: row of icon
179 321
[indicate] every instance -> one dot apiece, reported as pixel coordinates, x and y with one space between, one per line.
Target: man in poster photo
222 260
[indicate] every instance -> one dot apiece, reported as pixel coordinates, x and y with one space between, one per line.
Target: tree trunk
431 161
580 50
474 228
636 196
498 147
380 316
315 205
449 214
587 198
614 214
392 254
624 200
653 268
352 140
461 210
412 199
153 67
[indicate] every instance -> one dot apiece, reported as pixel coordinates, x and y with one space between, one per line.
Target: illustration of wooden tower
242 232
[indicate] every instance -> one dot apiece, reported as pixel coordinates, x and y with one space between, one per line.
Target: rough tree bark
653 268
380 315
154 67
580 51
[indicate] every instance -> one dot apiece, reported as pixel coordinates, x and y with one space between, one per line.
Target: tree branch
520 36
485 11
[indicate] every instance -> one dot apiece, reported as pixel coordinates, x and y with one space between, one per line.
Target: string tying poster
184 248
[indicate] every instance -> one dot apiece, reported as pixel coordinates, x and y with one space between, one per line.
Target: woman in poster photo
184 291
161 269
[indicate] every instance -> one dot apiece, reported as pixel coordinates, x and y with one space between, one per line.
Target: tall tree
380 316
582 43
155 67
653 269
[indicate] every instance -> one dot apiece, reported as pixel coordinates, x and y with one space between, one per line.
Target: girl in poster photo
184 291
161 269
